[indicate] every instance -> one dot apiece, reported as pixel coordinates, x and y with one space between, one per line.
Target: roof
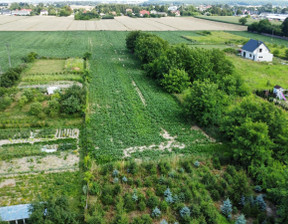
277 87
252 45
14 212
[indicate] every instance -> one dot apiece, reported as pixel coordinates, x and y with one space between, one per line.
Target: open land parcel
128 115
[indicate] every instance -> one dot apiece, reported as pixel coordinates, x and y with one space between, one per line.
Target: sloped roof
15 212
252 45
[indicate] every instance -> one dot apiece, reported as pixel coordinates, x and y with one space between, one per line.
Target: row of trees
255 129
265 26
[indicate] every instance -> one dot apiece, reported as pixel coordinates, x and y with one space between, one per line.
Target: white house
256 50
43 13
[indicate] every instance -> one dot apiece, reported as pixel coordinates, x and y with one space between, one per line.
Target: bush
156 213
176 81
185 212
204 102
226 208
35 108
153 202
5 101
276 53
240 219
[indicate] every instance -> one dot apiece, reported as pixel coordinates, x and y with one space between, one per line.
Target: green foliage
240 219
176 81
86 15
107 17
252 143
31 57
243 20
284 27
5 101
204 102
72 100
10 77
131 40
52 211
149 47
226 208
35 108
276 53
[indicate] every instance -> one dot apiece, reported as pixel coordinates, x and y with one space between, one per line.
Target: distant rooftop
15 212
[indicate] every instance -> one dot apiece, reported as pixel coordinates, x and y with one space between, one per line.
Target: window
250 55
260 50
260 56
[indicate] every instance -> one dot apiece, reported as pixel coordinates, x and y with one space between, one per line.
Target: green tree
252 143
205 102
239 12
176 81
131 40
240 219
284 27
54 210
149 47
243 20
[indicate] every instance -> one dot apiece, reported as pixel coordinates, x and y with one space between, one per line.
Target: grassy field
46 66
233 19
261 75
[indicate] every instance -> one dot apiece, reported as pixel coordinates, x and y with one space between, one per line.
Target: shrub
175 81
163 221
142 205
35 108
164 206
286 53
115 173
153 202
5 101
53 108
129 203
276 53
185 212
156 213
124 179
240 219
226 208
197 164
260 202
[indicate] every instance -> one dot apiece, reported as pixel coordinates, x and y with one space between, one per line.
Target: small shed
278 91
256 50
16 213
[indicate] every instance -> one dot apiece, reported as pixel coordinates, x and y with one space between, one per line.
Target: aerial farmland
84 120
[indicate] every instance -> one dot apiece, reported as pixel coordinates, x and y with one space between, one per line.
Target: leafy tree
243 20
149 47
252 143
71 105
52 211
204 102
284 27
226 208
53 107
286 53
176 81
239 12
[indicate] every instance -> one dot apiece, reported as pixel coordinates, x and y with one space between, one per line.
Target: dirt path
139 93
169 144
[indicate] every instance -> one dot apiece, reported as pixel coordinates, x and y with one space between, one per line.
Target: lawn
46 66
260 75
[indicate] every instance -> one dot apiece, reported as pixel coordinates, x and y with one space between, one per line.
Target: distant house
154 12
256 50
43 13
129 10
143 12
172 8
176 12
6 12
22 12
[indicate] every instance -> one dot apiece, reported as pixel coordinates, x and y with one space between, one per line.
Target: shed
52 89
257 51
15 213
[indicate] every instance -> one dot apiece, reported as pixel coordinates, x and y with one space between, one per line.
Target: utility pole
8 50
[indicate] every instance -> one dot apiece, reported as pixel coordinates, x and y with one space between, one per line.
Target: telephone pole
8 51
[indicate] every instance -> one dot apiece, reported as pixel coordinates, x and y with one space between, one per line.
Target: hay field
123 23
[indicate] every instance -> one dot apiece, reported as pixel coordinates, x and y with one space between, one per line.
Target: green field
233 19
46 66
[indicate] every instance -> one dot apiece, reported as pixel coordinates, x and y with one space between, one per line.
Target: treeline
255 130
83 15
265 26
